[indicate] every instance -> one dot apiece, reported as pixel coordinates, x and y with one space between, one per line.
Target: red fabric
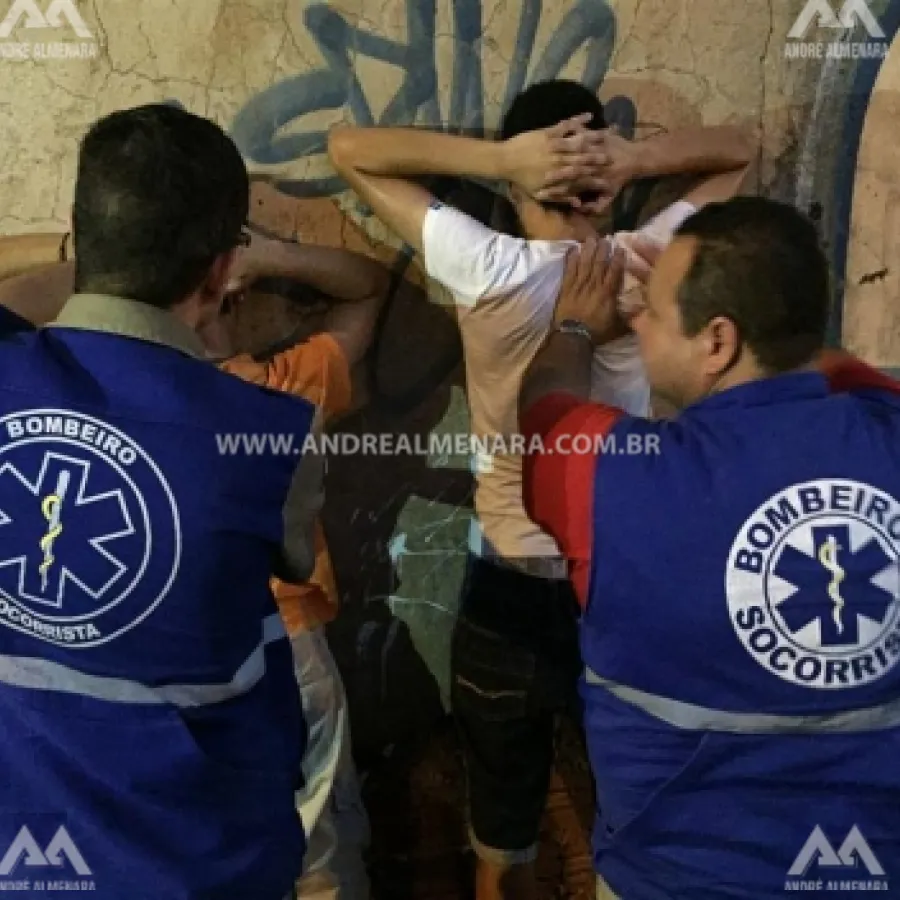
848 373
558 484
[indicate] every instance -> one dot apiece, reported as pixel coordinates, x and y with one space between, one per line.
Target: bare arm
33 283
695 151
562 366
318 367
371 161
358 283
21 253
352 325
40 294
720 156
340 274
377 163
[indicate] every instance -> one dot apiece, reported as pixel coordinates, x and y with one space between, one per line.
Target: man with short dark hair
515 657
319 367
149 705
544 105
722 248
737 566
144 196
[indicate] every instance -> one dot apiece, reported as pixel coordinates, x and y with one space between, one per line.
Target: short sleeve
477 263
662 227
847 373
316 370
558 483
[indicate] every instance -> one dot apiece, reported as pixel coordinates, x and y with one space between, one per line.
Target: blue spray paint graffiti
255 128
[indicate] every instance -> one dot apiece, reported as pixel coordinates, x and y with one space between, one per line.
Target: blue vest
741 643
150 725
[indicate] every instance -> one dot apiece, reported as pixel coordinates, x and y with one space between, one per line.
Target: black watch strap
573 326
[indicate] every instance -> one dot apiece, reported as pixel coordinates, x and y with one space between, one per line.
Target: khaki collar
128 318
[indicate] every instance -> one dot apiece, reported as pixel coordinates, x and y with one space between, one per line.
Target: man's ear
723 345
219 275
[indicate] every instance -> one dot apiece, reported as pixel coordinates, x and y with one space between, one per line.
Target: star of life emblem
813 584
90 538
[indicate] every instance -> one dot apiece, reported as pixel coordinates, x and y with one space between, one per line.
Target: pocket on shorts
493 679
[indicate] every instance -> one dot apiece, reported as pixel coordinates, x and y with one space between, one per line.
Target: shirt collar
768 391
129 318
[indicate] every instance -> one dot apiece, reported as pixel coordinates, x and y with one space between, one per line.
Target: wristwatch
573 326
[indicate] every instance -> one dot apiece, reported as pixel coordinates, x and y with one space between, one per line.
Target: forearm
411 152
352 325
23 252
563 365
695 151
341 274
39 295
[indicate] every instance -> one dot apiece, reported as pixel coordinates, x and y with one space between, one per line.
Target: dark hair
548 103
160 194
760 264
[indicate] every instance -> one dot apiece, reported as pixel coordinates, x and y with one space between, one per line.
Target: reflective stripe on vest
43 675
698 718
603 891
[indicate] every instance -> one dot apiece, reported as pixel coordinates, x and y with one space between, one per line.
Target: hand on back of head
252 261
555 164
561 163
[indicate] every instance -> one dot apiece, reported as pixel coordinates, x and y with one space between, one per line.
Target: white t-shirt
505 290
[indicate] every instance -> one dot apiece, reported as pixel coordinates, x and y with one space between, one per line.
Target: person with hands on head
736 566
321 369
558 165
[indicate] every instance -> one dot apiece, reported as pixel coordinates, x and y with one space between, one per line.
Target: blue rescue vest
741 643
150 725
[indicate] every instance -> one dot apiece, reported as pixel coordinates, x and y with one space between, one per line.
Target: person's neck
550 225
190 312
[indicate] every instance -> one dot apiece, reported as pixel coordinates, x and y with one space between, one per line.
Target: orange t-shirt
318 371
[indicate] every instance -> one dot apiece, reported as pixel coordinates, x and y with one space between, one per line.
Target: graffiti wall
276 74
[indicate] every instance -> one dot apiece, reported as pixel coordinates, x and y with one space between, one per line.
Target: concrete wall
277 73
